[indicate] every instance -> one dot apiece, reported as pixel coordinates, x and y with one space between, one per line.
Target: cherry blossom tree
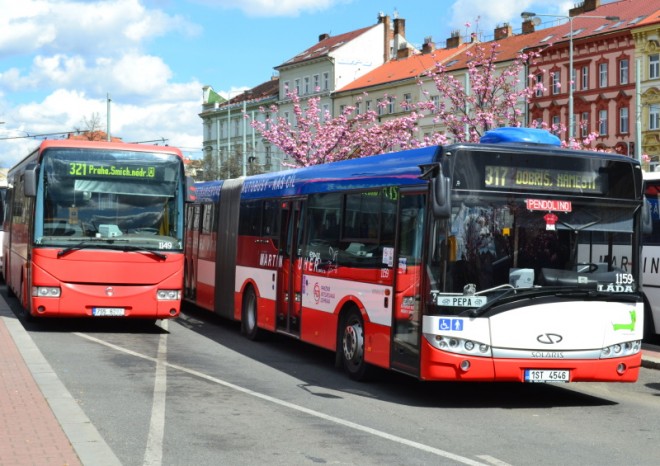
494 96
316 137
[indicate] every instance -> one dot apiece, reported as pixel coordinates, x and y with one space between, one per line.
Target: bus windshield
499 244
96 196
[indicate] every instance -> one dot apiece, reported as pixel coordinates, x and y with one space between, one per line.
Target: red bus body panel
126 280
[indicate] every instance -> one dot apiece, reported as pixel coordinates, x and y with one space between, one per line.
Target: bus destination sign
541 179
84 169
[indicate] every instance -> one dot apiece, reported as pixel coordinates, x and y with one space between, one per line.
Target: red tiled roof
631 14
650 19
324 47
398 70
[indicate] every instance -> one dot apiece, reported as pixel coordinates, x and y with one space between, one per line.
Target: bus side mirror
30 179
191 191
647 221
441 196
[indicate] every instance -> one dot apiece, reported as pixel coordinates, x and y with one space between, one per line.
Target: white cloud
63 57
274 7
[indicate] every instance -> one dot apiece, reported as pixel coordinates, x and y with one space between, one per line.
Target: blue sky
60 59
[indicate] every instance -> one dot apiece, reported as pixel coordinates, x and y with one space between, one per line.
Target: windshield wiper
110 245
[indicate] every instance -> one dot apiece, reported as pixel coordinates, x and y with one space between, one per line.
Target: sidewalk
41 422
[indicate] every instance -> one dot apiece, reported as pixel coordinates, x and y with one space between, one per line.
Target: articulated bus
3 197
96 229
651 258
466 262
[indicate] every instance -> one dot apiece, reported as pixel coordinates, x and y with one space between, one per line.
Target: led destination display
545 179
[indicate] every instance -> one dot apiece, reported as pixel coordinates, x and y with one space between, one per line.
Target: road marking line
491 460
302 409
153 454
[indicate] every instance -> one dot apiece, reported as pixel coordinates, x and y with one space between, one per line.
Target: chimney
399 43
455 40
403 52
388 36
584 7
323 36
428 46
504 31
400 27
527 26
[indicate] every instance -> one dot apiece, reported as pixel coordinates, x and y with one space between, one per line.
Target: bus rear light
168 295
465 366
621 369
46 291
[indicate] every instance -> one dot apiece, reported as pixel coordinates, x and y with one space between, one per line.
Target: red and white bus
470 262
96 229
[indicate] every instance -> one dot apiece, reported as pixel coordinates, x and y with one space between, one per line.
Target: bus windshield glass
98 196
533 245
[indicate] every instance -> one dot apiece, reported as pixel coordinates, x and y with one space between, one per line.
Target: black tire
249 315
352 346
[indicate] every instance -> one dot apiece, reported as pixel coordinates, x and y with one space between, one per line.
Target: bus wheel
249 315
352 346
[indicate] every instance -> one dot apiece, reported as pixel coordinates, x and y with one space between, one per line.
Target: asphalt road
194 391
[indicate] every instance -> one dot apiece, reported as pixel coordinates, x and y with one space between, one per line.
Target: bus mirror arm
647 221
30 179
441 196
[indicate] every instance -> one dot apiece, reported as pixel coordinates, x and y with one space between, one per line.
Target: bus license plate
108 311
546 375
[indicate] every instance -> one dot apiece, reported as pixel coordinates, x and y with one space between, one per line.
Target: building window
368 105
326 112
407 98
306 83
358 108
654 66
539 85
654 117
602 74
390 105
556 120
602 122
316 81
584 124
585 77
623 71
326 81
556 85
436 103
623 120
296 86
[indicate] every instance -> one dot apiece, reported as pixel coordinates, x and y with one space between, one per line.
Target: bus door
407 315
289 279
191 250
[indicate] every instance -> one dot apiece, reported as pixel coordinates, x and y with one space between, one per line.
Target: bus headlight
621 349
168 295
46 291
458 345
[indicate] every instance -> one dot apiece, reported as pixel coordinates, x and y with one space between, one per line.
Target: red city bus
96 229
470 262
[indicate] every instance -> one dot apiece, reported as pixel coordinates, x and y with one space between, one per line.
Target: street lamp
529 15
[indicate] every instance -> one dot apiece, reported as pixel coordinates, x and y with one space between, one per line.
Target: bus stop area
43 424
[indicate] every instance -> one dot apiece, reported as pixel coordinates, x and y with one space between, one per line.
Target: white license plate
546 375
108 311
